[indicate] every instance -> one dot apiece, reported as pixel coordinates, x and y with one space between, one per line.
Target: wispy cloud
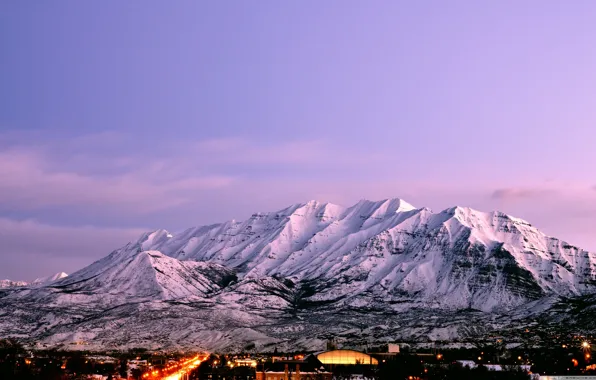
28 179
197 182
59 248
102 170
521 193
32 237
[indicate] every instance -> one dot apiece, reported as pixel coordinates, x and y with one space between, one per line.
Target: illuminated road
181 369
187 366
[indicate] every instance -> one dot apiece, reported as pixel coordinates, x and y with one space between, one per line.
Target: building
346 357
245 362
393 348
294 370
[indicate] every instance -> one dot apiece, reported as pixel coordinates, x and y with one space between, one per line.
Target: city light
186 367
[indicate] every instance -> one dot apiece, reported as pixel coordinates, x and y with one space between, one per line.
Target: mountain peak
49 279
399 204
382 208
150 239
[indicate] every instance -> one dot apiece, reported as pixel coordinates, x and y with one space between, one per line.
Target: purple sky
117 118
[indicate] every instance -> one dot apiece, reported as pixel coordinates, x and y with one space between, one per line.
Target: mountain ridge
311 266
38 281
286 242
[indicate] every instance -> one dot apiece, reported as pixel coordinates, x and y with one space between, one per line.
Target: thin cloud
29 180
202 182
71 247
520 193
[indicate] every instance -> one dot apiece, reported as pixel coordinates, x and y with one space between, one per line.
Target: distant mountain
11 284
49 279
299 274
38 281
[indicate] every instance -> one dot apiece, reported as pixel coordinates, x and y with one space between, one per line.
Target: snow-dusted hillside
313 267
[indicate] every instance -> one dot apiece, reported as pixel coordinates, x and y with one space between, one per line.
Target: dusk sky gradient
120 117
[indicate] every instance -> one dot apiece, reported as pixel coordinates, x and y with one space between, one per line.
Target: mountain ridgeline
37 282
277 275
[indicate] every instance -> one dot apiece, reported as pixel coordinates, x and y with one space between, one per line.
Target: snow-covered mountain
458 257
313 267
11 284
144 276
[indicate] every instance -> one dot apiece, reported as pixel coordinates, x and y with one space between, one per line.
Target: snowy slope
316 267
459 257
134 276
